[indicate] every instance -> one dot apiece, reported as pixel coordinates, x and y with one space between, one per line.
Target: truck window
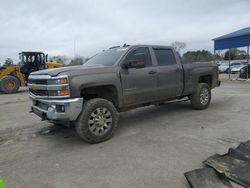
165 57
141 53
106 58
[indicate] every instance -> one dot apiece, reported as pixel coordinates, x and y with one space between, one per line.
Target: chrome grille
43 86
38 81
38 92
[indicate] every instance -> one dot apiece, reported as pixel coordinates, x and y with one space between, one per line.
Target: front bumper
57 110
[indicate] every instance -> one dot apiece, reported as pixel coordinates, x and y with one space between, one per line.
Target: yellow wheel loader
12 77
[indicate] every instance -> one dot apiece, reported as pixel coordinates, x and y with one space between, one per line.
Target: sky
85 27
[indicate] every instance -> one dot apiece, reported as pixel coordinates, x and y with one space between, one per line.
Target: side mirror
46 58
140 63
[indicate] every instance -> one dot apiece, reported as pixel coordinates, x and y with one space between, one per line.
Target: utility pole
229 75
247 61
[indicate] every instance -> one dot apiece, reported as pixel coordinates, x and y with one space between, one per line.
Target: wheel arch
108 92
206 79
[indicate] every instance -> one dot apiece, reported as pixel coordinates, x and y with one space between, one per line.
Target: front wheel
201 98
97 121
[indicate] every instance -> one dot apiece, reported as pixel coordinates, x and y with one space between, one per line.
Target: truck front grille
47 87
38 92
38 81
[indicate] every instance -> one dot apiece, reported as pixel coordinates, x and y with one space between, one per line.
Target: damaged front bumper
57 110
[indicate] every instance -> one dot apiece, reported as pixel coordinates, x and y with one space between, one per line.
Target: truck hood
56 71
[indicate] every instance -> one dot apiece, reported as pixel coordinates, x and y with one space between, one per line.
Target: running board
173 101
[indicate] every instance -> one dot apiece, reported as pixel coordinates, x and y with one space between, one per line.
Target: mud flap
207 178
235 164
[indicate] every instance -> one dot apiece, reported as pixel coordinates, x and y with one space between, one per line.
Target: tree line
204 55
187 57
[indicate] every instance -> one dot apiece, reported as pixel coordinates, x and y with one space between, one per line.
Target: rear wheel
201 98
9 84
98 121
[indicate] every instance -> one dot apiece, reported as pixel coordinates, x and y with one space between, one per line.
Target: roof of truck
138 45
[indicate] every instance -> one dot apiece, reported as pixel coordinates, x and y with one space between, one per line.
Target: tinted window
106 58
141 53
164 57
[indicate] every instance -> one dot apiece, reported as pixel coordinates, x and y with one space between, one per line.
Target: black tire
83 126
201 102
228 71
9 84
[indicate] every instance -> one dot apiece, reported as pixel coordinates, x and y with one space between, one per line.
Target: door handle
152 72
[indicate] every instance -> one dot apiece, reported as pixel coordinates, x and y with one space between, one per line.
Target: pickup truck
115 80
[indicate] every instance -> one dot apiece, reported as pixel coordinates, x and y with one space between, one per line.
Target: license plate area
42 105
38 113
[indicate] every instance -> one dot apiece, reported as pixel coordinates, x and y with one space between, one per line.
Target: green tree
197 56
59 59
8 62
233 54
77 61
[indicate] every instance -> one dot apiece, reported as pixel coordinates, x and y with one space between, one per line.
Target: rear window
165 57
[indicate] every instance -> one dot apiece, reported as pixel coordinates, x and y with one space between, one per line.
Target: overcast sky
53 26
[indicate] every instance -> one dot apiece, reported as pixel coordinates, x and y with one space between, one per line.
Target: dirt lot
153 146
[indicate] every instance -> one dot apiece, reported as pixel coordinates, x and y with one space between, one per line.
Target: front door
139 84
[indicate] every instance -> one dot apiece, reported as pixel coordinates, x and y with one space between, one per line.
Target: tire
9 84
97 115
228 71
200 100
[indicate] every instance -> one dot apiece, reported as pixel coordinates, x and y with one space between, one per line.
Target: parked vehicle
116 80
236 69
14 76
224 67
243 72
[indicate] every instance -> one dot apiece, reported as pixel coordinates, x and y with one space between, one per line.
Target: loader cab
31 61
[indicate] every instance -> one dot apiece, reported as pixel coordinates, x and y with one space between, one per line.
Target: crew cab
90 96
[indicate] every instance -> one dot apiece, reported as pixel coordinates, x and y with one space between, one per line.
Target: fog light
60 108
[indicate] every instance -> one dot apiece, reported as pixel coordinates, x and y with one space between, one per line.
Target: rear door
139 84
170 73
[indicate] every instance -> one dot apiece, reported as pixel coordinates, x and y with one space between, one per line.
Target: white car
224 67
236 69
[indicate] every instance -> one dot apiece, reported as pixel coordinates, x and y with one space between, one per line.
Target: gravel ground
152 147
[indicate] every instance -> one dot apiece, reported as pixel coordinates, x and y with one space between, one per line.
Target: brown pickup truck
118 79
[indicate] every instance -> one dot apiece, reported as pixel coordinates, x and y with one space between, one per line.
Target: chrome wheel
100 121
204 96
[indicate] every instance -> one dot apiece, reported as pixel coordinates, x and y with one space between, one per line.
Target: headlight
58 86
62 92
58 80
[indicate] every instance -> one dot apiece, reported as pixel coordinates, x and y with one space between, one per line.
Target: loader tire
9 84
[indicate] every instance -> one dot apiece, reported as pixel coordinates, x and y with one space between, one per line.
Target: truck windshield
106 58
